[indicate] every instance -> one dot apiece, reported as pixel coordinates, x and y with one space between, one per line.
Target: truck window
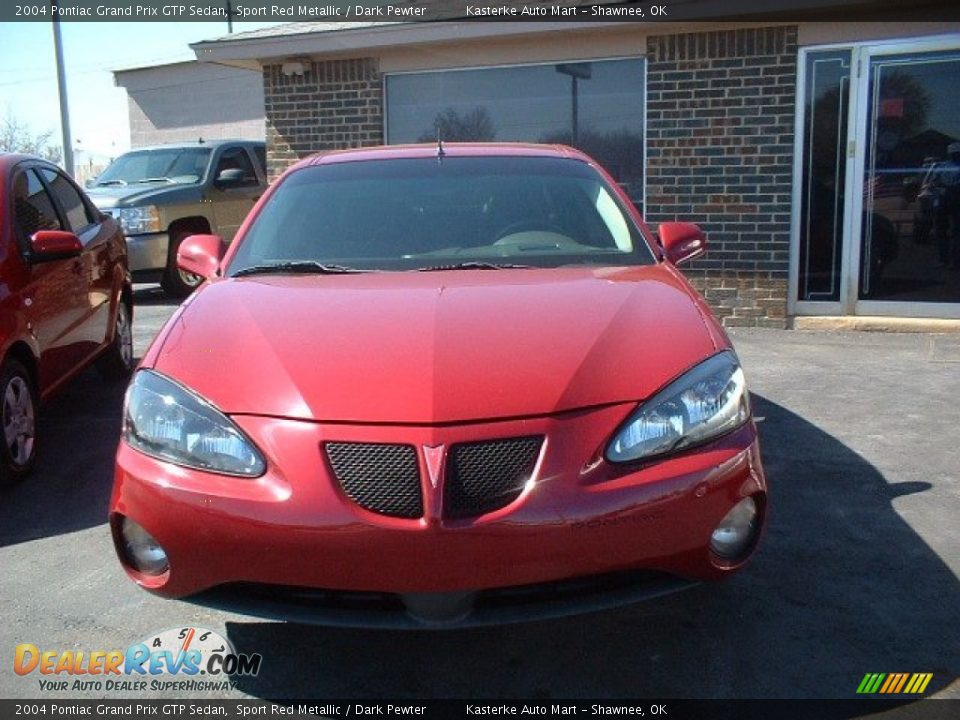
236 158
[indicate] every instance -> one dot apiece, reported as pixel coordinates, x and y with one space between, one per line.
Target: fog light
142 550
736 531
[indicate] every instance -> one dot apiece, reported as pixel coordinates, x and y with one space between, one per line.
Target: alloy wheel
19 423
125 337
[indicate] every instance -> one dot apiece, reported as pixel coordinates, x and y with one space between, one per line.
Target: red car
438 385
65 298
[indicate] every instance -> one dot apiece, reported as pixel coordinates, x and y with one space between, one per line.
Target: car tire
18 422
117 362
177 283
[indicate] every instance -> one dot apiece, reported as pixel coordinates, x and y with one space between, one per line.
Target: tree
619 151
16 137
472 126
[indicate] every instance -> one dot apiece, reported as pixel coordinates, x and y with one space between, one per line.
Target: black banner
369 11
901 709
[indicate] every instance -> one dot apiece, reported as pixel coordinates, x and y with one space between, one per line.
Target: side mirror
46 245
201 255
230 176
682 241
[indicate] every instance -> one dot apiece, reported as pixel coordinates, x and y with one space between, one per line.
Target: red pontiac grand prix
435 386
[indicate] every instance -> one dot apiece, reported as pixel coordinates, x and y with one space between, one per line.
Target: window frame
241 151
92 214
23 242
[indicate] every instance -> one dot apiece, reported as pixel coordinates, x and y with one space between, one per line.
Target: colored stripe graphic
918 683
892 679
903 680
894 683
870 683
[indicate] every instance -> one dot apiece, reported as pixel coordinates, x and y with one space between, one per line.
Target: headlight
138 220
167 421
708 401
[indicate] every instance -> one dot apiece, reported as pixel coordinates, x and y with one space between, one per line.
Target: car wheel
117 362
178 283
18 422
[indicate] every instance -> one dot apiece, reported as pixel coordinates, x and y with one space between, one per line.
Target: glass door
876 226
909 227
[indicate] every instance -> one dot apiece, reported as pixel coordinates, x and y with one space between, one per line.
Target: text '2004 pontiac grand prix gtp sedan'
438 386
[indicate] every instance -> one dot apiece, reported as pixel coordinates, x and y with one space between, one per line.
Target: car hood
129 195
434 347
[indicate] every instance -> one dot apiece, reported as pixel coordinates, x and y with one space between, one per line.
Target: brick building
805 149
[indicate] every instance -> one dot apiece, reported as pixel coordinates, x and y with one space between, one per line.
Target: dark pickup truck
162 194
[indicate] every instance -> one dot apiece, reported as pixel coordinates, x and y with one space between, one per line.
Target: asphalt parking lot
858 571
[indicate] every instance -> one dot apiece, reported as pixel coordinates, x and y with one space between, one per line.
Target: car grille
379 477
485 476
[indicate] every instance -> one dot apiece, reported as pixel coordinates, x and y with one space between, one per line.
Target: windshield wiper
104 183
303 266
474 265
155 180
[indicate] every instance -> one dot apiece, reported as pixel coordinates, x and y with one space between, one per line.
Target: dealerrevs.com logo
170 660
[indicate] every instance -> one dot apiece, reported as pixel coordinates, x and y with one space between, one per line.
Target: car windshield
163 165
428 214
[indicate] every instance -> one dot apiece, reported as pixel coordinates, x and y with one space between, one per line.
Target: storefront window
595 106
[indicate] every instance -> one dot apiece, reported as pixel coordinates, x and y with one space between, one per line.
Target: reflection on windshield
464 212
164 165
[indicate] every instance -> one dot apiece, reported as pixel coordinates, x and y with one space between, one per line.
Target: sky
99 119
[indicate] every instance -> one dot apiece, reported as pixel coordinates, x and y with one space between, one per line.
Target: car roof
429 150
198 144
8 160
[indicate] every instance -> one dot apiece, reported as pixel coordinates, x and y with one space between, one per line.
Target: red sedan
438 385
65 298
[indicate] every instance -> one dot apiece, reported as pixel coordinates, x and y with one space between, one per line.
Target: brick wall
334 104
720 115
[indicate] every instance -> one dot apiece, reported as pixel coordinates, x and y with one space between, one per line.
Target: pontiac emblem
433 455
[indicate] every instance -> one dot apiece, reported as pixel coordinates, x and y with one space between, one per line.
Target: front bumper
148 253
295 531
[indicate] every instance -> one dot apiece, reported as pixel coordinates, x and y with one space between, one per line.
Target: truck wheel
18 422
117 362
178 283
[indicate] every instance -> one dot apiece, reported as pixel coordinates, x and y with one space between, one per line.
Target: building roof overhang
325 39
